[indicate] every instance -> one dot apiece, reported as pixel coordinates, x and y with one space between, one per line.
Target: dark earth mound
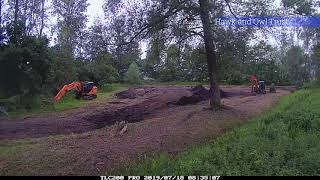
133 93
199 93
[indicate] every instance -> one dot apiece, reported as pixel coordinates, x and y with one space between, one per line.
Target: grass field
283 141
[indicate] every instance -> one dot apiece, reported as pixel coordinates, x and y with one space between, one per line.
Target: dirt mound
133 93
133 113
130 114
199 93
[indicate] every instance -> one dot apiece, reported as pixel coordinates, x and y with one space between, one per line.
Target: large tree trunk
15 21
0 13
215 101
42 17
16 11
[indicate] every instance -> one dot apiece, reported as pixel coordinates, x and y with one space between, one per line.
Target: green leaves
133 74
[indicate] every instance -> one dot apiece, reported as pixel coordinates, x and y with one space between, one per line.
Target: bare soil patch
133 105
154 126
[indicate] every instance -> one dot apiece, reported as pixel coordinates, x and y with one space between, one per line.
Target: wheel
90 97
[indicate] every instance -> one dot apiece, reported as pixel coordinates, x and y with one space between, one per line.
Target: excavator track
90 97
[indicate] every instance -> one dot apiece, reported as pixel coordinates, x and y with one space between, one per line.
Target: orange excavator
257 86
254 83
85 90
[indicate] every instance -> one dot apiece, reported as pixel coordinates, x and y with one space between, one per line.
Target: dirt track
156 126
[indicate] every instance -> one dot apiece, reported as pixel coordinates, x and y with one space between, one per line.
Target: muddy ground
156 123
136 105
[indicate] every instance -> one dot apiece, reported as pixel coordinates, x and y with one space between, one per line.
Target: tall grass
283 141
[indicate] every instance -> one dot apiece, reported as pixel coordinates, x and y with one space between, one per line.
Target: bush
133 74
108 87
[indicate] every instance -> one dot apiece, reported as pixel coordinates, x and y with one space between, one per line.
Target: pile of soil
199 93
133 93
130 114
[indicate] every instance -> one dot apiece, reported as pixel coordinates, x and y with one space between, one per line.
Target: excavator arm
67 88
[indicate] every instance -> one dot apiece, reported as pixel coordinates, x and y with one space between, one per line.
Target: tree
316 62
71 22
215 100
24 68
97 39
296 60
62 68
31 13
123 53
42 18
151 64
170 70
133 74
102 70
2 38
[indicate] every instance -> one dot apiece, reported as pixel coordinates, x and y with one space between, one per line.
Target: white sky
94 10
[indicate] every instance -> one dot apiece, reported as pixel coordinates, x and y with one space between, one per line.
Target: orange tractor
85 90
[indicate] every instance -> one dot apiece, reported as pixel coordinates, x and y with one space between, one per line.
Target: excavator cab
88 91
262 87
87 87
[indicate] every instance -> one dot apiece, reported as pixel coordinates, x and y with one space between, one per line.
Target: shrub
133 74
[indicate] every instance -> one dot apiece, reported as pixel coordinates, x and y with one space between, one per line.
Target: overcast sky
94 10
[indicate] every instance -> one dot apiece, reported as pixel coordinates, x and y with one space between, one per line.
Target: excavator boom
67 88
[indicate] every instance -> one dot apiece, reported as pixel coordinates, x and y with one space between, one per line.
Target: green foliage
71 22
236 60
24 68
110 87
63 69
296 61
99 70
133 74
284 141
171 69
103 71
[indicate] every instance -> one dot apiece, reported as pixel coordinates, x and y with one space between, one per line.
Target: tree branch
229 7
149 26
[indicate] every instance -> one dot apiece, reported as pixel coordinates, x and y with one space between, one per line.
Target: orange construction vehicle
85 90
257 86
254 84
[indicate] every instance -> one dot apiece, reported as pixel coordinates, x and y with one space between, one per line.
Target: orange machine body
254 83
81 90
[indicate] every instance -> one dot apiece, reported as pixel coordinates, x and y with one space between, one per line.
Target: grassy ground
70 102
283 141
